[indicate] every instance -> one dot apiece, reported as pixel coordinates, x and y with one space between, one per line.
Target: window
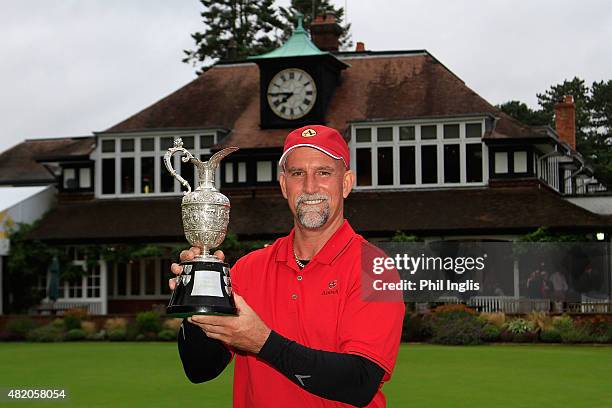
415 155
429 164
520 162
242 178
264 171
70 180
385 166
108 146
147 175
501 162
127 175
452 163
108 176
384 134
364 167
150 274
229 172
473 130
84 177
363 135
188 173
147 144
407 165
206 141
407 133
429 132
145 278
134 166
451 131
473 165
127 145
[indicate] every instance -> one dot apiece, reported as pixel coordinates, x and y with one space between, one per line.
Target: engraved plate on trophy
204 286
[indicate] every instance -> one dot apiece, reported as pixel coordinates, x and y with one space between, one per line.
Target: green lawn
150 375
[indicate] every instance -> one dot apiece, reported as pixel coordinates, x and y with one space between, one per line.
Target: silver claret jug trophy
204 286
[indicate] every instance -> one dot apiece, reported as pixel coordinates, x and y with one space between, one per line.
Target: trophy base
204 288
187 311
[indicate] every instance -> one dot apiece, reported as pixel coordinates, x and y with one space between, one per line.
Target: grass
150 374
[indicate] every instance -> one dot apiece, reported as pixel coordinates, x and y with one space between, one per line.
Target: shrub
72 322
18 329
101 335
550 335
75 334
73 318
453 310
577 335
563 323
52 332
89 328
540 320
462 331
166 335
490 333
520 326
526 337
116 335
496 319
415 328
117 323
148 322
172 324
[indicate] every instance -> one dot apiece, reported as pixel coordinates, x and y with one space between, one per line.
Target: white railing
93 308
508 304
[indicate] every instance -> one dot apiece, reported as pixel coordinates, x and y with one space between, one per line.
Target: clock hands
286 94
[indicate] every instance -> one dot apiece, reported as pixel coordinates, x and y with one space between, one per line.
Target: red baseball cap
322 138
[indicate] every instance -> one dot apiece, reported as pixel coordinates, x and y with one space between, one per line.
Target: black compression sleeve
203 358
339 377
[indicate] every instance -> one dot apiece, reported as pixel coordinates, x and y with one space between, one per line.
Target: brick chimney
360 47
565 120
325 32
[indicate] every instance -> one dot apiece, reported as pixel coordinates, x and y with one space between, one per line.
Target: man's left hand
245 332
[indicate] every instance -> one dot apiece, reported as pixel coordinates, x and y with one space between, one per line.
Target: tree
520 111
321 8
234 29
593 119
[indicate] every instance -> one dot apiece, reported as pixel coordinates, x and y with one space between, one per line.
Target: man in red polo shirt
304 335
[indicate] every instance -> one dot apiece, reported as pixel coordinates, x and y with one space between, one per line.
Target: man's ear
347 183
282 180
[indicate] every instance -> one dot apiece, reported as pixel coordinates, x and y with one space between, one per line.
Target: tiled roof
18 165
458 211
375 87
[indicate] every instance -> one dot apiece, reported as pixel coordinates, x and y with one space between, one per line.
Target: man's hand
188 255
245 332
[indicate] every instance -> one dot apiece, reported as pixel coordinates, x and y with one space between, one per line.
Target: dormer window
76 177
419 154
134 165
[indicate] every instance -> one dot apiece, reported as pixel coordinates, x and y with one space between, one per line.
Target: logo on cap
309 133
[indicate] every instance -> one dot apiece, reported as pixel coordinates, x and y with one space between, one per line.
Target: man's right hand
188 255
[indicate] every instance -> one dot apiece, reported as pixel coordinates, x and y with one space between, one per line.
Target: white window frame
137 154
462 141
65 285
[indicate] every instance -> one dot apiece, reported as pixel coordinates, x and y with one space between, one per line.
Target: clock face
292 93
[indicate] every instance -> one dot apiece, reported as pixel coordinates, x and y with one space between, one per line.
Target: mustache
306 197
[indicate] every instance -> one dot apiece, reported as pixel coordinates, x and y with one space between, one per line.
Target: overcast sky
70 67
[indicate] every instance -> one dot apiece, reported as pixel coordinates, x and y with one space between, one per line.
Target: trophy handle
178 147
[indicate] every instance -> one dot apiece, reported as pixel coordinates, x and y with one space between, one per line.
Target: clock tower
296 82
